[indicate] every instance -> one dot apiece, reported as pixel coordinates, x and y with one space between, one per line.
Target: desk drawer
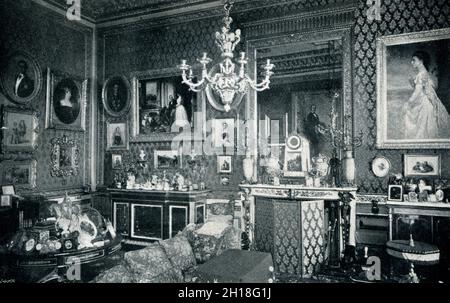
366 208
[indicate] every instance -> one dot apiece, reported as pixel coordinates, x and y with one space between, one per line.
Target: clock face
381 167
294 142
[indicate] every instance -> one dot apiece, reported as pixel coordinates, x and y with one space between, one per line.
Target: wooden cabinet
142 216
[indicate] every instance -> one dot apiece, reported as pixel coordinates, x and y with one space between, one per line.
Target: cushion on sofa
117 274
206 246
180 253
151 265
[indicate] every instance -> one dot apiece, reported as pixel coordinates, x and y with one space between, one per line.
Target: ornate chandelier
225 82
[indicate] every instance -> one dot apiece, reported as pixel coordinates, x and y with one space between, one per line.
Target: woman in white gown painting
181 119
425 115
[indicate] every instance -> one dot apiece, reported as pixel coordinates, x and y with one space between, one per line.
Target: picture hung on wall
161 104
224 164
21 78
167 159
116 161
20 173
413 99
222 132
21 127
117 96
117 136
65 157
66 102
422 165
395 193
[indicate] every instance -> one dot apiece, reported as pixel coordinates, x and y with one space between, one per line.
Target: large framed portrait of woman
413 95
66 102
20 78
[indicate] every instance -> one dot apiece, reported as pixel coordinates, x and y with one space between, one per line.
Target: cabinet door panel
147 221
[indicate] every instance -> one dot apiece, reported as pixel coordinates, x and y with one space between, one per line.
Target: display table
290 222
237 266
30 266
141 216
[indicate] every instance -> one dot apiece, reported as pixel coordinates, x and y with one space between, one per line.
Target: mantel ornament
65 157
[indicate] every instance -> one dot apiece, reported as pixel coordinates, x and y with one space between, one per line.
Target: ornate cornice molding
335 17
342 13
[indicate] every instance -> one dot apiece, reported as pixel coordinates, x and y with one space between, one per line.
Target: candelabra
226 83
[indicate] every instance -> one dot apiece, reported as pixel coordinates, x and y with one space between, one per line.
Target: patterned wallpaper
127 49
398 16
61 46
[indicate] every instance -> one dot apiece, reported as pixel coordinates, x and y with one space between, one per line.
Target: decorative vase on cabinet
248 164
348 167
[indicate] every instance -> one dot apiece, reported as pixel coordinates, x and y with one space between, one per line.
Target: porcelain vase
248 165
348 167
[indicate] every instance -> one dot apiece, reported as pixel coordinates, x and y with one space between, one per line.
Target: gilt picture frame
116 96
407 62
418 165
117 136
66 101
21 77
21 129
20 173
167 159
65 157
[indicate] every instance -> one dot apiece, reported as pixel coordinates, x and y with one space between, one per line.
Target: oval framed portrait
117 96
21 77
66 101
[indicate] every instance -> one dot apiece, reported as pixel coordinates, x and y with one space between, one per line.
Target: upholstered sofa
175 260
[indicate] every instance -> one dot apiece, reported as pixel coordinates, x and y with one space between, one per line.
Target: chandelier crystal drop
226 83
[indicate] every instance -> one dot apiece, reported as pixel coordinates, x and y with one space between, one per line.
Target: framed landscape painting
413 95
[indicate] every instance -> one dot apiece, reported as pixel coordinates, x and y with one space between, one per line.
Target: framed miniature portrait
117 136
117 96
21 78
224 164
116 161
222 131
395 193
21 128
66 102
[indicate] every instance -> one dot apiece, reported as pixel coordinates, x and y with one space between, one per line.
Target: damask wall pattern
62 46
397 17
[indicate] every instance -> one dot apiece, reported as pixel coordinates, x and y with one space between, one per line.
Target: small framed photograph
116 161
223 132
405 198
5 201
8 190
422 165
412 197
395 193
117 136
167 159
224 164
